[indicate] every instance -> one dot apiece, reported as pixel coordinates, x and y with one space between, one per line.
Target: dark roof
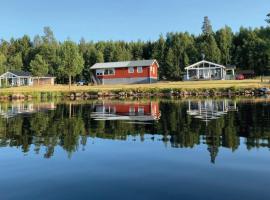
23 73
230 67
20 73
135 63
248 71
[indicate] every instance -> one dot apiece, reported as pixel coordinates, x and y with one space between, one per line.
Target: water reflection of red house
134 111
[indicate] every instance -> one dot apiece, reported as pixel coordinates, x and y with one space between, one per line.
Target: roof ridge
119 64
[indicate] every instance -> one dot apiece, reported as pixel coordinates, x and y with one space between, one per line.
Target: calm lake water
147 149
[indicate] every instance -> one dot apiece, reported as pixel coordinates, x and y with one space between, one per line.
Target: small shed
44 80
247 73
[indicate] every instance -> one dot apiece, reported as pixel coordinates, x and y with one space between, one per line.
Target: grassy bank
61 90
254 83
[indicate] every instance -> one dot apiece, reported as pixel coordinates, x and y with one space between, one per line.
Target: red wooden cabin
127 72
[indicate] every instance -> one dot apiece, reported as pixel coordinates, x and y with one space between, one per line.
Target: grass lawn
254 83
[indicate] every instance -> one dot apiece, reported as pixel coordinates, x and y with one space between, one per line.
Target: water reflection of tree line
71 126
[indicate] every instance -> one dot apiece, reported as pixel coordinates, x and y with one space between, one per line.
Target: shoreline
160 89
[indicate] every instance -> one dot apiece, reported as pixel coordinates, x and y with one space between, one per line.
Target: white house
205 70
21 78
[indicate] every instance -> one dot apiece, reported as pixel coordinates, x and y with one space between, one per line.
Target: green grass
59 90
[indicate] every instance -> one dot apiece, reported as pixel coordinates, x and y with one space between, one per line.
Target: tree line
248 49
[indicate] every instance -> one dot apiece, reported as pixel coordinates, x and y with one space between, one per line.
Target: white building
21 78
205 70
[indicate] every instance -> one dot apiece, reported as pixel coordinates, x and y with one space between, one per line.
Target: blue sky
125 19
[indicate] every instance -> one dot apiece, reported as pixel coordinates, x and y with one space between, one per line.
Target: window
139 69
153 70
99 72
109 72
131 70
131 110
141 110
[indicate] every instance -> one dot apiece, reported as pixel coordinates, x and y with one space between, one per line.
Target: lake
127 149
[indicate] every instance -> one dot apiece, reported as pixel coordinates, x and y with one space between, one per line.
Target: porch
10 79
205 70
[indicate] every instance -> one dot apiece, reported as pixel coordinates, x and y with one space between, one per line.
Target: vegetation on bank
247 49
157 88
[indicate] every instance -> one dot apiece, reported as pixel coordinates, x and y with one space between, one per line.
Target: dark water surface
148 149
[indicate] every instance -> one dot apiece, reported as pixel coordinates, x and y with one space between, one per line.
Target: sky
125 19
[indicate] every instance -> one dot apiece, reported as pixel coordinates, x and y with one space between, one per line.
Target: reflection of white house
8 110
21 78
209 109
205 70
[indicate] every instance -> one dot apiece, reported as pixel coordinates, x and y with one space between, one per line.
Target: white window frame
131 110
109 74
141 110
141 70
99 72
131 70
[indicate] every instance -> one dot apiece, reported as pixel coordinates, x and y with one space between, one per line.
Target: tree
38 67
207 27
71 61
2 63
208 46
91 56
172 71
15 62
158 54
252 51
48 35
37 41
224 40
268 18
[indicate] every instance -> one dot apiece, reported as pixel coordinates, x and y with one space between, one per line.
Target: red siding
150 108
123 72
125 108
154 70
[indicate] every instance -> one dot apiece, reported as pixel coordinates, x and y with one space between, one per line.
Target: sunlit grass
254 83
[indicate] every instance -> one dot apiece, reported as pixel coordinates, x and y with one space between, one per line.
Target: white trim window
141 110
131 110
131 70
139 69
109 72
99 72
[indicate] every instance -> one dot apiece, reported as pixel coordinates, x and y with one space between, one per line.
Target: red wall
124 108
154 71
150 108
123 73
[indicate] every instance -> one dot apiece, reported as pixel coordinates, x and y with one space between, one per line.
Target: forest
247 49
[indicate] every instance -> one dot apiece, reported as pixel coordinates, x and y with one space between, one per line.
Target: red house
127 72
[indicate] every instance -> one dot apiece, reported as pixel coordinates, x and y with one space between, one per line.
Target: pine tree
15 62
268 18
172 71
2 63
38 67
207 27
224 40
